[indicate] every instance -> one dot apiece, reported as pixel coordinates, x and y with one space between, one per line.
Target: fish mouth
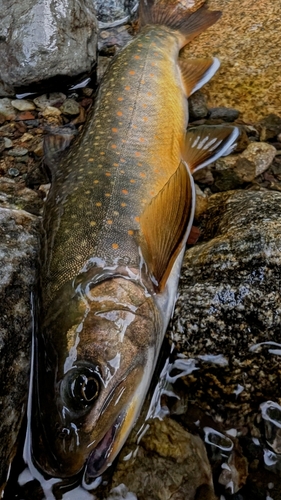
98 460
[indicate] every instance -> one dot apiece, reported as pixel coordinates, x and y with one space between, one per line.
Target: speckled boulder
38 40
229 303
18 252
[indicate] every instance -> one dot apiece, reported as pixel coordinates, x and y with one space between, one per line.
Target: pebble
8 143
23 105
26 137
197 106
26 115
233 171
18 151
223 113
51 111
70 107
270 127
13 172
6 109
47 100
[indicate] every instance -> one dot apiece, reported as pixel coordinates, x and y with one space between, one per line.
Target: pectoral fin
203 145
196 72
54 146
166 223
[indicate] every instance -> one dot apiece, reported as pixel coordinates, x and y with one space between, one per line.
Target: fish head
89 388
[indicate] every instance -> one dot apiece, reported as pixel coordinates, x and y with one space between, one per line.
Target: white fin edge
224 151
208 75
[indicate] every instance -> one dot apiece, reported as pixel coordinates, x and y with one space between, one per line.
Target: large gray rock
114 11
41 39
18 252
230 300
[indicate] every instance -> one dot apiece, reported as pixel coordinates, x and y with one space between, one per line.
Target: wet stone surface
18 252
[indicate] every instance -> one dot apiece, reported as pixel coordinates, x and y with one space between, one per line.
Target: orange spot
116 164
124 191
108 174
144 106
145 118
139 44
114 129
137 153
151 74
119 98
123 204
107 195
102 153
153 64
115 246
152 193
113 146
119 113
142 81
98 204
134 126
127 87
109 221
130 232
96 181
137 219
122 160
142 139
149 93
139 164
142 174
91 159
132 181
137 57
132 72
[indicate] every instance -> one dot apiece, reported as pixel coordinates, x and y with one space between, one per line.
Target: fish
115 225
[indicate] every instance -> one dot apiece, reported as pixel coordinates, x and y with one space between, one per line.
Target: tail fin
178 18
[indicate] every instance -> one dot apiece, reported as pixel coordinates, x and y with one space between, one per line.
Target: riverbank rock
227 320
246 41
114 11
170 464
18 253
38 40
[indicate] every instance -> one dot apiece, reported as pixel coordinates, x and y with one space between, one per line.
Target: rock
38 40
223 113
18 253
70 107
8 143
270 127
6 109
54 99
51 111
171 464
249 78
14 195
197 106
233 171
18 151
228 306
114 11
23 105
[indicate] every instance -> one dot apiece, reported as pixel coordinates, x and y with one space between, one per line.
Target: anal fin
166 223
205 144
196 72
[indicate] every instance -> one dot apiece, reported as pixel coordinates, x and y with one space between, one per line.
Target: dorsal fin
207 143
196 72
178 18
166 223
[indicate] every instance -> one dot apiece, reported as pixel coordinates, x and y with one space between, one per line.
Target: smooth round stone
70 107
23 105
18 151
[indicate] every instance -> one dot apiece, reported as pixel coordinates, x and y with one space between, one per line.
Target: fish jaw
118 346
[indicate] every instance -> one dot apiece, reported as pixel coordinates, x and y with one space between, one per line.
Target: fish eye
80 387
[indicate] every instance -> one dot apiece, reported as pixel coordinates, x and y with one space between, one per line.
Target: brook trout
116 222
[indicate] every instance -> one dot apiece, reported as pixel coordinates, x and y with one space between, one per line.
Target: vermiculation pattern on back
128 151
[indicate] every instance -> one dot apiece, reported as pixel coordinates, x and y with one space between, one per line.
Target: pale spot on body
93 223
98 204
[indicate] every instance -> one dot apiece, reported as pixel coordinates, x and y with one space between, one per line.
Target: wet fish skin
116 221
